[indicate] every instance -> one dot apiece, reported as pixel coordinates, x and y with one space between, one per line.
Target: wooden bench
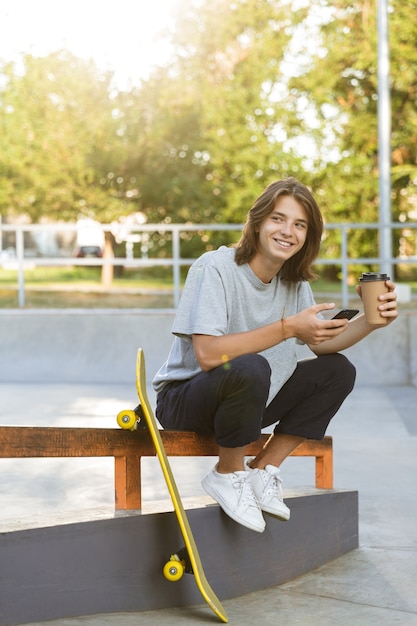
129 447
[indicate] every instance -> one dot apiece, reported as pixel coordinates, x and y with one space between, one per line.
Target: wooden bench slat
128 448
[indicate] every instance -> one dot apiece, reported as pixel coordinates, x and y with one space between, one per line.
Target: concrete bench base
115 564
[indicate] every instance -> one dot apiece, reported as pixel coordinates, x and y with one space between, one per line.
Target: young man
233 370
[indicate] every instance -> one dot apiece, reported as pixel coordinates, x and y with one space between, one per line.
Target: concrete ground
375 452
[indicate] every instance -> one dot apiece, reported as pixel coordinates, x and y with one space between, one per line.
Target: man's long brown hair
298 267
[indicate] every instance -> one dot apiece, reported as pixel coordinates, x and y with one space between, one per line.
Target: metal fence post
345 273
176 265
384 139
20 253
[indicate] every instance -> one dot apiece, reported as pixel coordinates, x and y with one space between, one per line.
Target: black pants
229 401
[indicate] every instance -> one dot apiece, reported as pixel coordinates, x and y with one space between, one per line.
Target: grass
55 299
157 278
80 287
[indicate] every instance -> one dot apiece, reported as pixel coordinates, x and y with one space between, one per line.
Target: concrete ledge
80 345
114 565
99 346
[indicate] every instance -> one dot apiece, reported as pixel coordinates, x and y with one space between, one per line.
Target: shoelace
247 495
273 486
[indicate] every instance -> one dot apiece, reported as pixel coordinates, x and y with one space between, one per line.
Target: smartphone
345 314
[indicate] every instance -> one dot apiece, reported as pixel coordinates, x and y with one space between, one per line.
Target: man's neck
264 271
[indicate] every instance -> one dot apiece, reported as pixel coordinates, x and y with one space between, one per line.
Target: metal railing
22 259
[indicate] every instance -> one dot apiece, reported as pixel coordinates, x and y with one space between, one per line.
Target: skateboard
187 559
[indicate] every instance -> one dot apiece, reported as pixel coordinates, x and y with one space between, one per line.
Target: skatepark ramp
107 563
99 346
102 563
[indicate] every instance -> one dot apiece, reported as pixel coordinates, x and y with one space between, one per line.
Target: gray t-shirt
221 297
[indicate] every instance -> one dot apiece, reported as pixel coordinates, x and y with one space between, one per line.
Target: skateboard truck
178 564
132 419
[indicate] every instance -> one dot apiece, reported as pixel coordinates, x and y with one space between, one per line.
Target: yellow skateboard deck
188 559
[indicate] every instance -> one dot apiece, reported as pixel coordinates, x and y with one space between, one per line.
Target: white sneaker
234 494
266 484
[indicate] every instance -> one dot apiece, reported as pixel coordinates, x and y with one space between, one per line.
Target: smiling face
281 235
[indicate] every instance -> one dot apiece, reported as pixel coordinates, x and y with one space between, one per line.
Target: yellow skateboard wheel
174 569
127 420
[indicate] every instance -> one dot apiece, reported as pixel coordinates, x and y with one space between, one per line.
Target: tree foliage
345 102
56 121
254 90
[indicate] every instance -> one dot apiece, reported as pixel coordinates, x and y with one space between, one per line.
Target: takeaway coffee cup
372 286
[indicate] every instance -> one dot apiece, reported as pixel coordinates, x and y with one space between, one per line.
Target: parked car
88 251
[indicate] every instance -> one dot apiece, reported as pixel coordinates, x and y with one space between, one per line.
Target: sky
120 35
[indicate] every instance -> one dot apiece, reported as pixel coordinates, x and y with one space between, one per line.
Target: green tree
212 116
59 139
62 153
340 83
403 34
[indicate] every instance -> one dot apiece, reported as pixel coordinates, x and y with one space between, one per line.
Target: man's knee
253 370
342 370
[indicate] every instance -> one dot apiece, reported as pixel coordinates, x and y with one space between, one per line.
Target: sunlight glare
121 36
